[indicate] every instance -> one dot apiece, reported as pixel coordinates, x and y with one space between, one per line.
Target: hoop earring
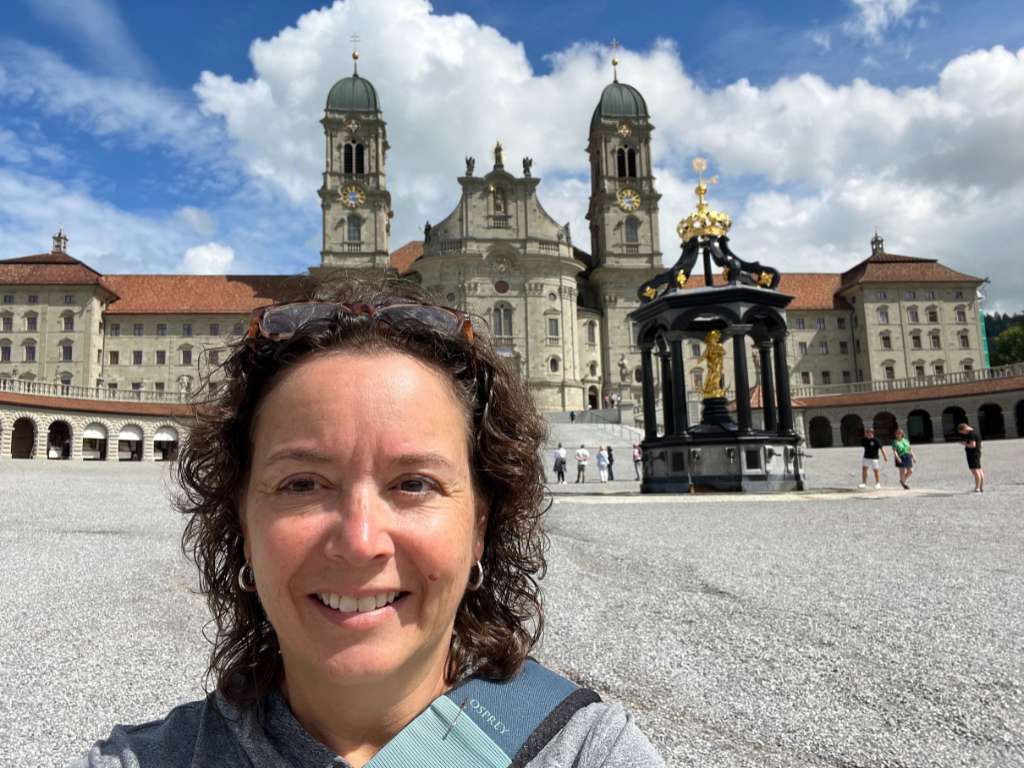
478 582
247 578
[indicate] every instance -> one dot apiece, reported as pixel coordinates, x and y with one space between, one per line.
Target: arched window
593 369
502 321
5 351
32 322
638 375
631 162
620 163
632 230
553 365
360 165
29 351
591 332
965 339
355 229
883 315
886 340
967 365
348 165
936 339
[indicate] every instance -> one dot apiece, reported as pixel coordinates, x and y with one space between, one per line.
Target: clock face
352 196
629 199
623 130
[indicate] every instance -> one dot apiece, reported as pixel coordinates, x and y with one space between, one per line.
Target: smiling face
360 496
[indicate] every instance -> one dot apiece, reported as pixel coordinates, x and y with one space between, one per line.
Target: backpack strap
488 724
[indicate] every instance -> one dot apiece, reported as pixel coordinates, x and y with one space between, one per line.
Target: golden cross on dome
355 52
615 59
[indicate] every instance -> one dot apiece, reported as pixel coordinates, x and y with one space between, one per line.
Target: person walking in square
582 457
972 447
637 458
560 460
872 447
903 457
611 463
572 417
602 464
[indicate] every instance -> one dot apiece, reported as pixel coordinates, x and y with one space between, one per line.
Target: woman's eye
416 485
300 485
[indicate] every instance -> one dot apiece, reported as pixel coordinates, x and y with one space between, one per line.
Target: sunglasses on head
277 322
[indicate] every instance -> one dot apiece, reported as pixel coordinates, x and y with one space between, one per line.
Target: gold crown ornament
703 222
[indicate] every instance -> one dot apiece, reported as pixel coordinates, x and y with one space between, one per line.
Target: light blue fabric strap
442 736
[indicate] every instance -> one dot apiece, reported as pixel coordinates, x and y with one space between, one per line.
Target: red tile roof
47 269
983 387
98 406
403 258
205 294
810 290
893 268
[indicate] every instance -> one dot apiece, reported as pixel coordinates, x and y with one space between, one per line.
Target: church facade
556 310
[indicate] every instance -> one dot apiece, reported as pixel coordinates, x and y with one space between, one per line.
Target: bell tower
354 196
623 217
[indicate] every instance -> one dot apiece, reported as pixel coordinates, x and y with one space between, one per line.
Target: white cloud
875 16
207 259
143 116
821 38
198 220
98 26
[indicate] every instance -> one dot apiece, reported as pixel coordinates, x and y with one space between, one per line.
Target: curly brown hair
496 625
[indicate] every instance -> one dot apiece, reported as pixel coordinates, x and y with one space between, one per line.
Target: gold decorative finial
703 222
355 53
615 60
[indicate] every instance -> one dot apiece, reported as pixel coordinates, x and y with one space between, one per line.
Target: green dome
619 100
353 94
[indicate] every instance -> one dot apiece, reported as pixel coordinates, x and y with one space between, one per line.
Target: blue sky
183 137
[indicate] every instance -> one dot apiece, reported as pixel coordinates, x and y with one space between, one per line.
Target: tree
1009 346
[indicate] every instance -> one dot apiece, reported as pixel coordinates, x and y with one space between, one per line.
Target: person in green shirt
904 457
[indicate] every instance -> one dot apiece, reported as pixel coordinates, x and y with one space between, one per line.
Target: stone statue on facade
499 156
527 166
623 370
470 165
426 233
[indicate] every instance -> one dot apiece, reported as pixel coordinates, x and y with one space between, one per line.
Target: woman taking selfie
363 500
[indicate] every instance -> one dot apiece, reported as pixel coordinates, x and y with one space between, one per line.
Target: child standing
872 447
903 457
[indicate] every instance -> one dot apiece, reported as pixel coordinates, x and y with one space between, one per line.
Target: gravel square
839 627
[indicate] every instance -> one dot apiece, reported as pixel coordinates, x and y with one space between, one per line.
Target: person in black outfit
611 463
872 447
972 447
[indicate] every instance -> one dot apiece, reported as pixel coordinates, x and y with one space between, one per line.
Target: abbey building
555 306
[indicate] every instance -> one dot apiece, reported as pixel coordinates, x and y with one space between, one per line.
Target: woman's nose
359 530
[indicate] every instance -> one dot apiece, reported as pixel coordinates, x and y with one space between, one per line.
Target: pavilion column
764 349
782 382
682 419
667 393
739 351
647 374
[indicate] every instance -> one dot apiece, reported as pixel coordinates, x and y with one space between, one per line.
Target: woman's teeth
348 604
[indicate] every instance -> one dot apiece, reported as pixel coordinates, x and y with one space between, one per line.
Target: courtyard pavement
831 628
